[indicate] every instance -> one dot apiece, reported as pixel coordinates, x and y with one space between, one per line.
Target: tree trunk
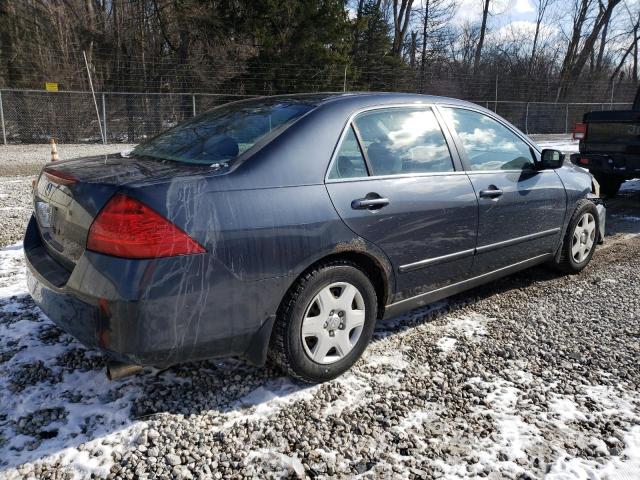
423 58
401 19
483 28
412 51
603 42
635 53
575 58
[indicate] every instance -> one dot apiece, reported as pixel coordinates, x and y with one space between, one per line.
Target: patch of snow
625 218
285 464
446 344
394 360
565 409
564 145
268 399
623 467
416 418
470 326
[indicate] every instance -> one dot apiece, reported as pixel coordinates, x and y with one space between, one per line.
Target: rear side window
489 144
223 134
349 162
403 140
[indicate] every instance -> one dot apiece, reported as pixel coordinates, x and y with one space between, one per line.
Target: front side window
224 133
489 144
403 140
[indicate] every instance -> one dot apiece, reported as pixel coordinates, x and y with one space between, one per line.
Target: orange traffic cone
54 151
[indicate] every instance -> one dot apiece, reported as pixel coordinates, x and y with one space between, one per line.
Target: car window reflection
488 144
403 140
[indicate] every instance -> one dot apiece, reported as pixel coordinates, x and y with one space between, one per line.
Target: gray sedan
286 227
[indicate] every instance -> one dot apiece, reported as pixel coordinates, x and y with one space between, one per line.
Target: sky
510 11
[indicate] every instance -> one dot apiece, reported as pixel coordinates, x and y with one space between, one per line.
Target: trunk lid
69 195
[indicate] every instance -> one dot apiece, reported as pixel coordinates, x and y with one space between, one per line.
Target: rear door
396 183
521 209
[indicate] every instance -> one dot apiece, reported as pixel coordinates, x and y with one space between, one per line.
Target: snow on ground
498 384
563 142
64 412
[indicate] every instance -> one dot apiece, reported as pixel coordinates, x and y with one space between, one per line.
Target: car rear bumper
154 312
624 166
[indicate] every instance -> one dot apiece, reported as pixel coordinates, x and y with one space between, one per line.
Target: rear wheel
609 186
325 322
581 238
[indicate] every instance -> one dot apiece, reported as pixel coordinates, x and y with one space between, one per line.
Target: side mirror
551 159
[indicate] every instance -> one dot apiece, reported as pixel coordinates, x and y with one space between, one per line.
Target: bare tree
634 33
401 17
483 29
541 9
435 16
585 31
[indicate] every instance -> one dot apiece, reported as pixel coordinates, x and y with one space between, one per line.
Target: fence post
612 87
526 120
4 132
104 116
566 119
344 82
193 104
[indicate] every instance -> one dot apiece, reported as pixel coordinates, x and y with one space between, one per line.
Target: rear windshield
223 134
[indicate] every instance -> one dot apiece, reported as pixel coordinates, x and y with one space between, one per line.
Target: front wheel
580 239
325 322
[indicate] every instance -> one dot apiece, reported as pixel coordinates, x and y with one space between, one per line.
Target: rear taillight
580 131
127 228
61 178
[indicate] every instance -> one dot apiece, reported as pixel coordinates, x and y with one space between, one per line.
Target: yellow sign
51 87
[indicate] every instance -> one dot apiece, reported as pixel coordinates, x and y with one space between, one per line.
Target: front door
521 208
395 183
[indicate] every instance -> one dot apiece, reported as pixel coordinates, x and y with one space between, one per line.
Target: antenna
95 102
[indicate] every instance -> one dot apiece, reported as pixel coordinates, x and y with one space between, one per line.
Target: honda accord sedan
286 227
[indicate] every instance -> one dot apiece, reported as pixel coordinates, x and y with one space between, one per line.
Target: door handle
491 192
375 203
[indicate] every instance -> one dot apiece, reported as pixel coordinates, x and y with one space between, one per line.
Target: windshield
223 134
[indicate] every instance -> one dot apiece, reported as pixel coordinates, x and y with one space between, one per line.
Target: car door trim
428 262
514 241
432 296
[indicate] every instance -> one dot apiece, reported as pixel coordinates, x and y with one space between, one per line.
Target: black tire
609 186
566 262
286 347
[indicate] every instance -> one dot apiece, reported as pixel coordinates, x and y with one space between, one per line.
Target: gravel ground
28 159
19 166
530 376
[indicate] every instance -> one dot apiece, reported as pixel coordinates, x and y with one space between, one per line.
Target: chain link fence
35 116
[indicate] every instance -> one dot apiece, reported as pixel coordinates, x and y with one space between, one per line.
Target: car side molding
432 296
428 262
436 260
515 241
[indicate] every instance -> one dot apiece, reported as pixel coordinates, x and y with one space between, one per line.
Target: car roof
364 99
360 99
